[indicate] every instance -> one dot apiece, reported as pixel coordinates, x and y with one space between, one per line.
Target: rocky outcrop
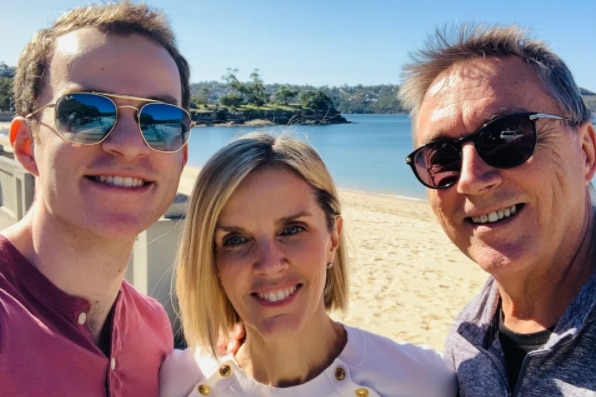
226 117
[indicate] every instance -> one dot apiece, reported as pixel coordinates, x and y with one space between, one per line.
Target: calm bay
366 155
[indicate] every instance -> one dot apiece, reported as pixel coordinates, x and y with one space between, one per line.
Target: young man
101 98
507 148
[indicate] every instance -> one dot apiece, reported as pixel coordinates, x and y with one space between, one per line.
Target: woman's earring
329 265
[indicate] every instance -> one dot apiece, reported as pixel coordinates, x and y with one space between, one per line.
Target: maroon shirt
46 348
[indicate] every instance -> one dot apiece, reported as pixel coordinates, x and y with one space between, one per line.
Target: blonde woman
263 244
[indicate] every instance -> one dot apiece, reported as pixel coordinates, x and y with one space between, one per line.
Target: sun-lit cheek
442 208
436 204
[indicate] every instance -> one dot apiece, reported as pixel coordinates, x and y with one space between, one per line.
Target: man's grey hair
449 46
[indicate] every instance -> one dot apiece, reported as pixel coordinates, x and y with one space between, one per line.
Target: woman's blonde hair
205 309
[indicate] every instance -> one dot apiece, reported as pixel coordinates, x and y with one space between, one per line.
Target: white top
369 365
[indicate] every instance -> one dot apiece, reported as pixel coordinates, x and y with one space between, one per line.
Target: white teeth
275 296
120 181
495 215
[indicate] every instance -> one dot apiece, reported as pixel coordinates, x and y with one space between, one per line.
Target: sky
327 42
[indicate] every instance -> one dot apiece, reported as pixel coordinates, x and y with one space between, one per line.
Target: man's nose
125 138
476 175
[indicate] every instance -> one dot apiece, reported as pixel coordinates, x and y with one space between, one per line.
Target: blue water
366 155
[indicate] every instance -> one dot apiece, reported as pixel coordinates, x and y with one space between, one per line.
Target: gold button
225 370
203 390
340 373
362 392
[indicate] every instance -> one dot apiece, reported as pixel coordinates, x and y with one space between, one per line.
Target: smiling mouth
120 181
495 216
277 295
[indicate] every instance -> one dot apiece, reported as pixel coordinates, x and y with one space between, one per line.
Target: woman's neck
293 359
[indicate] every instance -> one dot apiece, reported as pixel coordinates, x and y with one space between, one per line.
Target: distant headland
252 103
236 103
265 115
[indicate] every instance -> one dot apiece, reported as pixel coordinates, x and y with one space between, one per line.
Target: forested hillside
347 99
232 93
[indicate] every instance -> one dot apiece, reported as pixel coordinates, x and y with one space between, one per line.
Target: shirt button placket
82 318
362 392
340 373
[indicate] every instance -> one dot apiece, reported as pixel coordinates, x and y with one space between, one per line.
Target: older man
507 150
101 98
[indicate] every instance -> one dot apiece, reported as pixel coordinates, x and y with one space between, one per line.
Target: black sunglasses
504 142
87 118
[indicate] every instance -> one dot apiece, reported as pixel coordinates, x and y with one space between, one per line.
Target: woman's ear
22 142
335 237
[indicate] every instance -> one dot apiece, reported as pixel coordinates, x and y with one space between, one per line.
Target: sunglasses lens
85 118
165 127
507 142
438 164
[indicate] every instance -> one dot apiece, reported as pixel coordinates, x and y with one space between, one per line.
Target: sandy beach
407 281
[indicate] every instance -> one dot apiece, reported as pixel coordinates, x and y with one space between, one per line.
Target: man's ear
588 142
21 140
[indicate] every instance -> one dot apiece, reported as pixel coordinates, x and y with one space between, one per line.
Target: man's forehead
458 90
476 71
73 43
68 44
475 90
90 60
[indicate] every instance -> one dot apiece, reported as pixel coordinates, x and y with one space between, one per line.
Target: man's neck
79 263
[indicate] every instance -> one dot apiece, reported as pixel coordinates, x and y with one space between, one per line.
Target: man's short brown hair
123 18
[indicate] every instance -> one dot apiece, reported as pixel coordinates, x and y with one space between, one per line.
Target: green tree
231 79
197 102
255 89
232 100
387 104
285 94
316 100
201 99
252 92
6 97
203 96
